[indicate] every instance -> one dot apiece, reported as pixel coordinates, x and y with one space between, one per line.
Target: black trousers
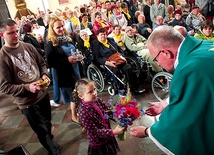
39 118
127 70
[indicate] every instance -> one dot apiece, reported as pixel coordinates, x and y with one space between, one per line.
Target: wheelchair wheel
161 85
134 64
94 74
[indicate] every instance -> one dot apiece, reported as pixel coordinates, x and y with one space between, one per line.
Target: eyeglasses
155 59
82 35
127 31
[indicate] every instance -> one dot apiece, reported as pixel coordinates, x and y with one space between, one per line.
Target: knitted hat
178 11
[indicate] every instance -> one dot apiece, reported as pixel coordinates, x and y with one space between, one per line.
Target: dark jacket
130 21
102 53
175 22
142 29
146 12
89 26
40 21
28 38
1 42
181 22
84 49
57 59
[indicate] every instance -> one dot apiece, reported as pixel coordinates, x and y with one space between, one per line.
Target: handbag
118 58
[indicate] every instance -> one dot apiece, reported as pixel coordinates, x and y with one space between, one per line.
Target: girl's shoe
75 122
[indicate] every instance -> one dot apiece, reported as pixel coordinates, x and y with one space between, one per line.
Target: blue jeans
76 70
56 91
66 94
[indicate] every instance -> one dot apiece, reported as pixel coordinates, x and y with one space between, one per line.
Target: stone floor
14 129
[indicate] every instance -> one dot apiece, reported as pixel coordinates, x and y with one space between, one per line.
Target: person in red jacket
100 23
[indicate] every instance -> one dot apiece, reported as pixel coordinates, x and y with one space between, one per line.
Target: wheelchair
161 85
83 65
160 82
90 71
138 64
102 75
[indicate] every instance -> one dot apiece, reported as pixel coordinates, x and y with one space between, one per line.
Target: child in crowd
91 111
206 31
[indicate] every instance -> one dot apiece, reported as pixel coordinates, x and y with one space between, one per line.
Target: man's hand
138 131
149 30
46 77
156 108
34 88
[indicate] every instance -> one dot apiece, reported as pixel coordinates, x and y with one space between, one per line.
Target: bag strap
113 47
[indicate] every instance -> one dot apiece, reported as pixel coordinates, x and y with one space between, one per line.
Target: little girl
91 111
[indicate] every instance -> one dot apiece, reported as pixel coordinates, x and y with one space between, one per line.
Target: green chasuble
186 126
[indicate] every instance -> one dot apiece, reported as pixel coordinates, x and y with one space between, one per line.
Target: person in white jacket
117 18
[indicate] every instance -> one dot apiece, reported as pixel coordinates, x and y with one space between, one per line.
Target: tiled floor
14 129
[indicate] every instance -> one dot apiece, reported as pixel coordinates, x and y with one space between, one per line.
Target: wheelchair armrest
102 67
132 53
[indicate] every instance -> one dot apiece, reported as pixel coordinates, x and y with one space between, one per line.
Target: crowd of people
99 30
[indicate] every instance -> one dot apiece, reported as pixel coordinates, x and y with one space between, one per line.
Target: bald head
163 44
165 37
159 20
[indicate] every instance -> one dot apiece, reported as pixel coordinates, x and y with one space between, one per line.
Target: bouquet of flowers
125 110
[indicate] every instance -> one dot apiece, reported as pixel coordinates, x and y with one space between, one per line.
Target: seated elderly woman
103 48
119 36
137 43
206 31
84 45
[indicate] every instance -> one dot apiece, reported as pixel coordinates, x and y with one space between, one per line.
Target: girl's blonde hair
52 36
